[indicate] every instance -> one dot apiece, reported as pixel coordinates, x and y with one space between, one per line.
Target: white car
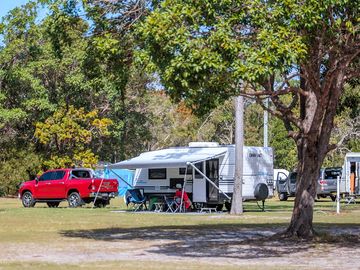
280 174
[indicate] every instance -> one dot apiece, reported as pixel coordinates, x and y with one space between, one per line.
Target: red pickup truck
77 186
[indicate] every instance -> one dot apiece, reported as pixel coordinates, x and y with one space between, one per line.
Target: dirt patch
218 245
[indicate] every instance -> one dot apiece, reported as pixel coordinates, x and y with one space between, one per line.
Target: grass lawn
64 238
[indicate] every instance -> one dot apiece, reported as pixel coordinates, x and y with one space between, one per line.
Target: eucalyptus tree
202 50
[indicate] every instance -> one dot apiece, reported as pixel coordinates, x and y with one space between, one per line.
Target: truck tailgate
107 185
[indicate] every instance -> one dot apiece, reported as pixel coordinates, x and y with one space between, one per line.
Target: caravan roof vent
203 144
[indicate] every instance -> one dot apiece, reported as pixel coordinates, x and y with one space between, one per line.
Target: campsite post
338 195
237 202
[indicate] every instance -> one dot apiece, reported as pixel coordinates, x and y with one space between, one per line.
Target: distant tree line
74 91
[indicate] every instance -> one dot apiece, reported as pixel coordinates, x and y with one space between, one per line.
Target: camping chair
136 197
172 205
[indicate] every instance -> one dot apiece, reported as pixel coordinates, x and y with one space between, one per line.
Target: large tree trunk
308 173
317 111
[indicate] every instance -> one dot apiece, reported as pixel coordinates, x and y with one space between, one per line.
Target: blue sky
7 5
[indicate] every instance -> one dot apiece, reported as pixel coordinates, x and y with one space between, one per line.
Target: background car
287 187
326 185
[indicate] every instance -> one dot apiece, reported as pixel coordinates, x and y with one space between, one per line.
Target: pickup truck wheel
333 197
228 206
100 204
28 199
53 204
74 199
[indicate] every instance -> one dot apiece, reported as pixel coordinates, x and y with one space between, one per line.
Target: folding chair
136 197
171 204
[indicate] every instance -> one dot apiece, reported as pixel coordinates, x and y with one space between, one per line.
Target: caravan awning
170 158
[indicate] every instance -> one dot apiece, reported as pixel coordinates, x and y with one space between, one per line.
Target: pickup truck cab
77 186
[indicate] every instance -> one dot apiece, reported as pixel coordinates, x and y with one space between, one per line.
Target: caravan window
157 173
199 166
183 170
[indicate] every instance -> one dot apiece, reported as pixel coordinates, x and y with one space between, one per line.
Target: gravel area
228 246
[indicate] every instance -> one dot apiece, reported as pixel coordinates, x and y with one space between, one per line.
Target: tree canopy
208 51
81 84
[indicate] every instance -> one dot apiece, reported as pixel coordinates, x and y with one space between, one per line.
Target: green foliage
19 166
285 152
63 61
69 86
69 133
202 49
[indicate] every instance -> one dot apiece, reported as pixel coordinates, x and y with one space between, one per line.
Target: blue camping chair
136 197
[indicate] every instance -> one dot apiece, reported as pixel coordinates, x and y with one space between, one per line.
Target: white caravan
350 183
205 169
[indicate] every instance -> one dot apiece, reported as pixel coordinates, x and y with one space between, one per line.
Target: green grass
64 227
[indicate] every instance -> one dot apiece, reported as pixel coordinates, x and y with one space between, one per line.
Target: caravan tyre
228 206
283 197
261 191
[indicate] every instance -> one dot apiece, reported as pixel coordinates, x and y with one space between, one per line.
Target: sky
7 5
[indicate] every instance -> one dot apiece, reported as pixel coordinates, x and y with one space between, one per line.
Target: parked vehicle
327 182
77 186
350 184
205 170
279 174
287 187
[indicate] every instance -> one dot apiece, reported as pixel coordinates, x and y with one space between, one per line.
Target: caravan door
354 177
212 172
199 184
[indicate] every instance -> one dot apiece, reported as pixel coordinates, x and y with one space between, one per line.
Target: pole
338 195
237 201
183 189
97 193
266 122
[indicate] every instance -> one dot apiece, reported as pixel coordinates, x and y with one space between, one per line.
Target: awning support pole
97 193
183 189
207 179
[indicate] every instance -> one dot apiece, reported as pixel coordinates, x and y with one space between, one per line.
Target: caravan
205 170
350 184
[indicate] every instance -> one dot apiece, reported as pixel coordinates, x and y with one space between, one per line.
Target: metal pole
266 122
97 193
183 189
338 195
237 200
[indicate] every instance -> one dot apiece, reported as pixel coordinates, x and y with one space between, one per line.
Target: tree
203 49
67 135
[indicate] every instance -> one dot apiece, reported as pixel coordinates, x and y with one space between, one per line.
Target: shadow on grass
234 241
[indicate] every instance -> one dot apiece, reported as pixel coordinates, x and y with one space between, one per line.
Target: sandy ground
218 246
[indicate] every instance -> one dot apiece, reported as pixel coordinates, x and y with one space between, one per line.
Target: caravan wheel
198 206
228 206
219 207
283 197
